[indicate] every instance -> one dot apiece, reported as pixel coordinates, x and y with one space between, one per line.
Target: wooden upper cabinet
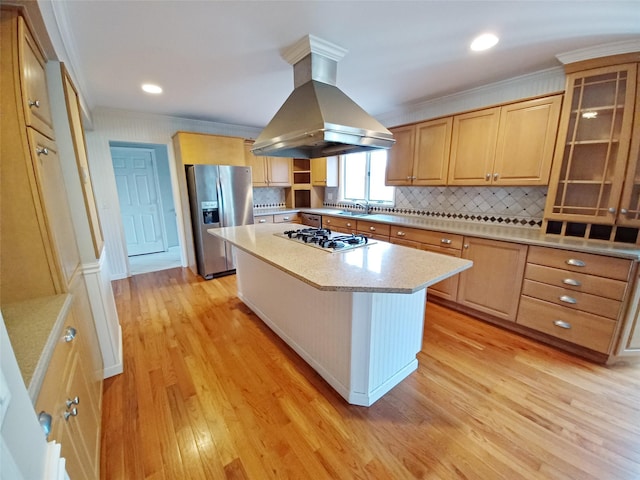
279 171
629 214
420 155
80 148
431 158
268 171
37 106
200 148
400 160
324 172
526 140
50 180
508 145
473 147
592 151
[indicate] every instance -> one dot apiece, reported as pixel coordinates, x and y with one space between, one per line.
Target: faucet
366 206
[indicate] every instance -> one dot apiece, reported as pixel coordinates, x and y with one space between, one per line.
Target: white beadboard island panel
355 316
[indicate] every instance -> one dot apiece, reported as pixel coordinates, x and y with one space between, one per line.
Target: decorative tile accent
520 206
269 197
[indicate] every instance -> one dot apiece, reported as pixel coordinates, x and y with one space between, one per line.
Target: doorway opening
147 207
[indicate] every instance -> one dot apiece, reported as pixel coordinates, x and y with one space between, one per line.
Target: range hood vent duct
318 119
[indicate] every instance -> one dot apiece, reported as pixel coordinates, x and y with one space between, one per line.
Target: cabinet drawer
439 239
373 228
572 299
341 224
580 282
585 329
286 217
600 265
264 219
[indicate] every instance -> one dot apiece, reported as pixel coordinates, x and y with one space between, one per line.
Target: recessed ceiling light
151 88
484 42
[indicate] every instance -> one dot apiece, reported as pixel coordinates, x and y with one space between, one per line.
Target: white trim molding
608 49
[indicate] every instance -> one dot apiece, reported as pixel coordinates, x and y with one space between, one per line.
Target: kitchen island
355 316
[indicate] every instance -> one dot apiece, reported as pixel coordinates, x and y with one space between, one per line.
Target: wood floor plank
209 392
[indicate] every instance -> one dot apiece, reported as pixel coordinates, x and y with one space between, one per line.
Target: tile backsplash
269 197
521 206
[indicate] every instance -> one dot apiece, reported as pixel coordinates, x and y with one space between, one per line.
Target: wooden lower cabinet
573 296
70 394
494 282
336 224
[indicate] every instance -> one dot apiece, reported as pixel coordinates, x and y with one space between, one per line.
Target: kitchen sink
348 213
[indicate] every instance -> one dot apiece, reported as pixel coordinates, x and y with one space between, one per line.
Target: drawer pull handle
373 229
401 233
286 218
45 422
348 224
568 299
34 103
69 334
42 150
70 402
71 413
574 262
446 241
328 222
262 220
562 324
572 282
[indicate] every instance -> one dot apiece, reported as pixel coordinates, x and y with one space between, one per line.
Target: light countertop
34 327
524 235
376 267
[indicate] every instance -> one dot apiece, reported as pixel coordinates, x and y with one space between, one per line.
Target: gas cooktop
326 240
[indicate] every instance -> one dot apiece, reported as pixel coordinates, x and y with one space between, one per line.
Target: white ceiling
221 60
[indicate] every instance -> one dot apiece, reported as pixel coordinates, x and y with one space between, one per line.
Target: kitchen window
363 176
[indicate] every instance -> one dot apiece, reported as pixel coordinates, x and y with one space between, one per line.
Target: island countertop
376 267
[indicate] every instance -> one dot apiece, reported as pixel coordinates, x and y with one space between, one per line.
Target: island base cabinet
361 343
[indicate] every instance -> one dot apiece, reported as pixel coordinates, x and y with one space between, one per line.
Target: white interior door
140 204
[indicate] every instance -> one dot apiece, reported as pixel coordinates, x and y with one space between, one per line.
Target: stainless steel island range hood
318 119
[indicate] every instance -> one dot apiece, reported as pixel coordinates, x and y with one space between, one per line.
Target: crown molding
312 44
605 50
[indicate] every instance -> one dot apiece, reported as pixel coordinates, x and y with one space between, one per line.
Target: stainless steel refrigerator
219 196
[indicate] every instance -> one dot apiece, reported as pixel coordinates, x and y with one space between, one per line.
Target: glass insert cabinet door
593 145
629 214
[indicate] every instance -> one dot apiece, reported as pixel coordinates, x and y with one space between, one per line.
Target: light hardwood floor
209 392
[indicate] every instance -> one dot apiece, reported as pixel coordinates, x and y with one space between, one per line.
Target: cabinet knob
612 210
42 150
69 334
44 419
74 401
414 178
445 241
562 324
286 218
71 413
262 220
495 176
34 103
401 233
487 177
466 245
328 221
409 177
624 211
348 224
568 299
571 281
575 262
373 229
